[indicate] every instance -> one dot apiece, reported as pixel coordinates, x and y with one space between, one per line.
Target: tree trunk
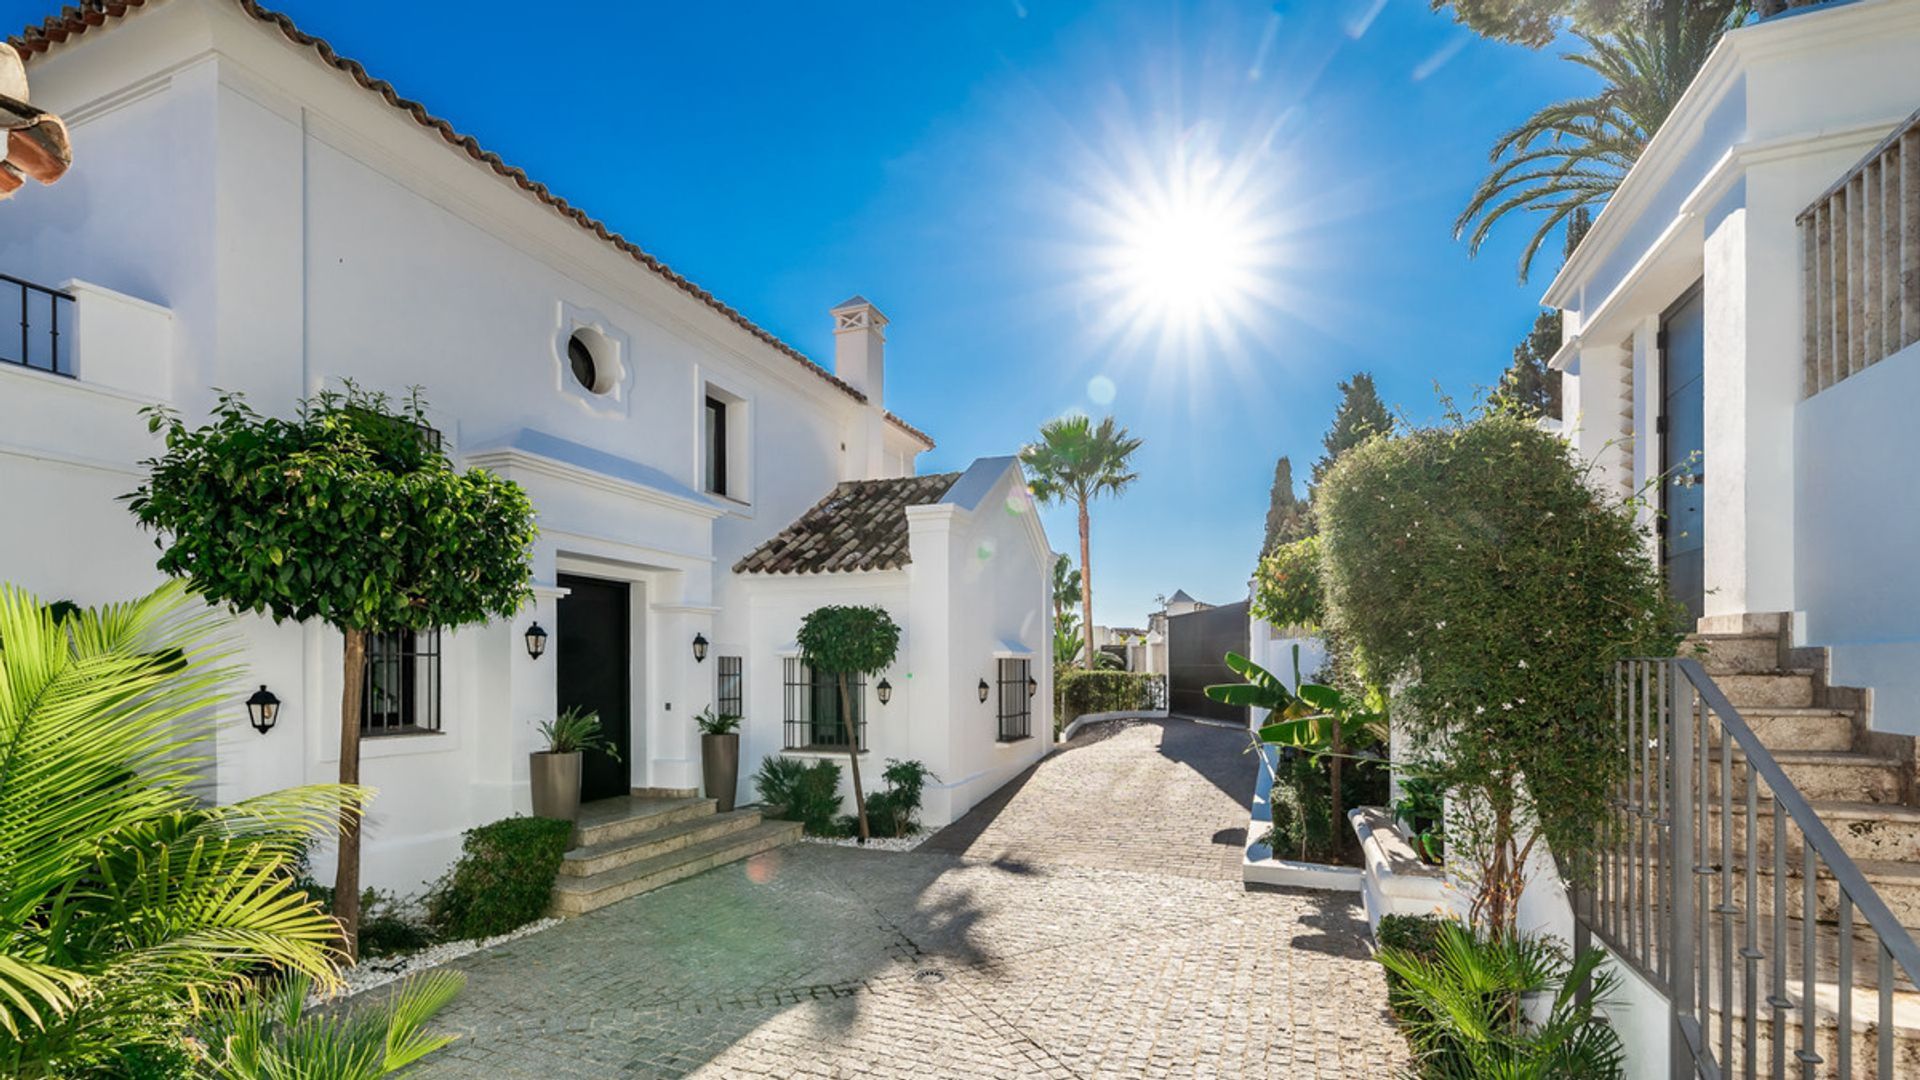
853 756
346 874
1086 581
1339 804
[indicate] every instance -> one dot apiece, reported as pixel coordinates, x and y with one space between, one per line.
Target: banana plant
1313 718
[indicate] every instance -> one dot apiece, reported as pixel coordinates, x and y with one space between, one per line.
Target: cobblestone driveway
1087 922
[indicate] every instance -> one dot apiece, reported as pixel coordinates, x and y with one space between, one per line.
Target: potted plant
719 755
555 771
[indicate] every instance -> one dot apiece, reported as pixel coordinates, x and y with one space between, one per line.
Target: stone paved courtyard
1087 922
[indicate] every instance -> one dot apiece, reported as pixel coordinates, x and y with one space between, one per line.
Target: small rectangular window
813 709
1016 698
730 686
401 691
716 446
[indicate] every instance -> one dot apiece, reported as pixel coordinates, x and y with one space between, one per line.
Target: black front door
594 638
1683 433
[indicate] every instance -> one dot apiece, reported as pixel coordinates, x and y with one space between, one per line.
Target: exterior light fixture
536 641
263 709
1033 686
983 691
699 648
884 691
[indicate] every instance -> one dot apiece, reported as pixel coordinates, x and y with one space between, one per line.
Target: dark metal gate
1197 647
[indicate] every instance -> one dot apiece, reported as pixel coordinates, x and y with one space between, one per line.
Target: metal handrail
1671 878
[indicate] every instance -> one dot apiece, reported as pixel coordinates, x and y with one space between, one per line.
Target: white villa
250 211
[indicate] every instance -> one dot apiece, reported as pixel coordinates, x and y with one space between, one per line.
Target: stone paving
1088 923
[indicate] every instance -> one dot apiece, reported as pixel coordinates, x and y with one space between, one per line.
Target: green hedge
1078 692
504 878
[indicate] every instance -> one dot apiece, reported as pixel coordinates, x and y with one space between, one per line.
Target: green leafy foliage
1303 825
349 512
123 898
1078 693
1459 996
1421 809
576 731
1529 386
1068 643
1535 23
794 790
504 879
391 925
1360 416
848 640
894 810
271 1036
1286 586
1066 587
1288 516
713 723
1568 158
1474 563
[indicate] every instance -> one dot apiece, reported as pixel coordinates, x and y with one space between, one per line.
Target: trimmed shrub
504 879
390 926
794 790
1302 799
1078 692
1472 567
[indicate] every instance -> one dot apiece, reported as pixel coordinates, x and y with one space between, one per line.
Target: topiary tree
349 512
844 641
1472 566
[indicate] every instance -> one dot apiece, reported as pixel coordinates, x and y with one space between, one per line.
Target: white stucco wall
1858 523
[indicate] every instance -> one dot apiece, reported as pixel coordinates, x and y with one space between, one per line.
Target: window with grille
813 709
729 686
402 688
1016 701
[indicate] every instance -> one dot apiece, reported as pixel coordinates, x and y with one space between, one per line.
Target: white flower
1523 665
1441 625
1507 705
1478 709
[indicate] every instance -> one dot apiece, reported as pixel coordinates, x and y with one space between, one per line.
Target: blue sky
978 169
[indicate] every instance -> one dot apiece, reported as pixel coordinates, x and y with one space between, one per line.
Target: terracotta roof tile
860 525
72 21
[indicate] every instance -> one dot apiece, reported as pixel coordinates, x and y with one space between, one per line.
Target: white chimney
860 348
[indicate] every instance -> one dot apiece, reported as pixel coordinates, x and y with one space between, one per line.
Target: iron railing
812 714
1861 262
36 306
1695 888
1015 701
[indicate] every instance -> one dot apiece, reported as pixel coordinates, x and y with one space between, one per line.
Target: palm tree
1571 156
1077 461
124 902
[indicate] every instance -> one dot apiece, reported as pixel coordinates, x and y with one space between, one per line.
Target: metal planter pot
556 784
720 767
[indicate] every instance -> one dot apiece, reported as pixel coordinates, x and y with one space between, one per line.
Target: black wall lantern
699 648
1033 686
884 691
983 691
263 709
536 641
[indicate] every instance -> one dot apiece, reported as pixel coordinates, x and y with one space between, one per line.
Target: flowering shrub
1472 566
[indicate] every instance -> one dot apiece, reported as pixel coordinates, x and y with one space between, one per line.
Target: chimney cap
856 301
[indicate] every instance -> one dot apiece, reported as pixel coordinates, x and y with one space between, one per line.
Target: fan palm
273 1035
1078 461
1572 155
123 900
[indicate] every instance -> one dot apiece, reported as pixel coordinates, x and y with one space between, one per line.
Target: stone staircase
626 846
1861 783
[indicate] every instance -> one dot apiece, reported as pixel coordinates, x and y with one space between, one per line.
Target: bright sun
1185 254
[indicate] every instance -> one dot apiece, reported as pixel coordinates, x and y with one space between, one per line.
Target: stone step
1785 727
1734 654
613 854
1758 690
1897 883
1822 775
579 895
1864 830
630 815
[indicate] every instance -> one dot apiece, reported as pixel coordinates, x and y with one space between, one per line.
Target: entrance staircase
634 844
1861 784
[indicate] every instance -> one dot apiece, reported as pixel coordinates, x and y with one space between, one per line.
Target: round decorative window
580 358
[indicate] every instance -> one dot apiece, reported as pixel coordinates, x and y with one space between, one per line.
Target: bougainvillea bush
1475 567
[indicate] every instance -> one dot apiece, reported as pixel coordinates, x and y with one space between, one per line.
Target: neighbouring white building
252 212
1729 326
1742 343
